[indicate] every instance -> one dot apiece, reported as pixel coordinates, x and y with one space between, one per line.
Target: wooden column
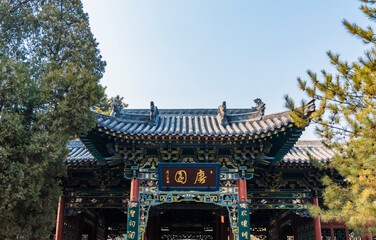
218 228
223 228
150 228
60 219
231 234
243 212
331 231
316 221
347 233
133 212
367 238
228 230
242 193
135 188
242 190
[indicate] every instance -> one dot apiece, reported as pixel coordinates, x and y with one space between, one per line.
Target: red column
231 234
135 185
331 231
228 230
242 193
223 228
347 233
316 222
367 238
149 228
218 228
60 219
242 190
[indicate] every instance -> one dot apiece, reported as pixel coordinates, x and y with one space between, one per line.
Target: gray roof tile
303 150
79 154
194 122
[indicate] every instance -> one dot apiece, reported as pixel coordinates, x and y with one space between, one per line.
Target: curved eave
295 164
79 155
171 137
288 145
94 152
81 163
304 151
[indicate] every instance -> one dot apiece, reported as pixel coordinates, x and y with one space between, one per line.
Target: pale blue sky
198 53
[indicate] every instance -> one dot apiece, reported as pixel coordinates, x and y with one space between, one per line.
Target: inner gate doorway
274 224
188 220
278 224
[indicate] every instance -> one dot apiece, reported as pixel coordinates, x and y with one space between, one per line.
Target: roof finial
116 106
221 114
260 106
153 113
310 107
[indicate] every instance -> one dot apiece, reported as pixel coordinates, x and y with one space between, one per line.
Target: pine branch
332 126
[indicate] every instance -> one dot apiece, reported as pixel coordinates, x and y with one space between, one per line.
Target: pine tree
50 69
346 121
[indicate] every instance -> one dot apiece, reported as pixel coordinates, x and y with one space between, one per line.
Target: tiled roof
303 150
194 125
194 122
79 154
298 154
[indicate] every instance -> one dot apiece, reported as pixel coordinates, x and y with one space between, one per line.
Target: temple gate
242 161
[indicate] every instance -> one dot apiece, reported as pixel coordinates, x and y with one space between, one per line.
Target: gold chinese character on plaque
168 176
132 223
244 223
245 235
181 176
200 178
131 234
132 212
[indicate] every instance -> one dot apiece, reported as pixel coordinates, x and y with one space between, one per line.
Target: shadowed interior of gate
279 224
187 220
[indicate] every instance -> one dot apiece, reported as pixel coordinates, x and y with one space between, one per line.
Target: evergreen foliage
107 104
50 69
346 121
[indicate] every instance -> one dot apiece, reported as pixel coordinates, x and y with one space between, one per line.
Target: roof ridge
309 143
279 114
75 143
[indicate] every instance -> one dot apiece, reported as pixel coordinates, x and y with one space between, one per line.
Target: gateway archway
240 160
188 220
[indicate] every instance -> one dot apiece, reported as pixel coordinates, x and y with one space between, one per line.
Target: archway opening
188 220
